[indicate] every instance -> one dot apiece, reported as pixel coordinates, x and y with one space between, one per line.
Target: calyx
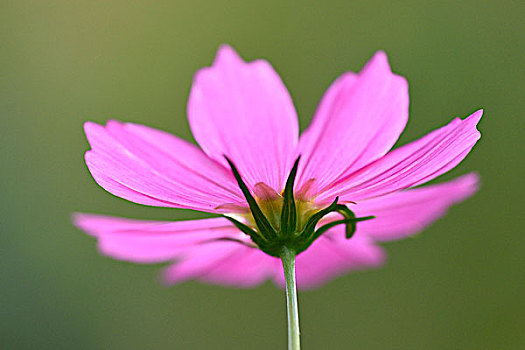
292 229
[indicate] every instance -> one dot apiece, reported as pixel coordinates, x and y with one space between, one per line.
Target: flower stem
288 259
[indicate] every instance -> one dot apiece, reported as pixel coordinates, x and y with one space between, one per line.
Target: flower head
330 195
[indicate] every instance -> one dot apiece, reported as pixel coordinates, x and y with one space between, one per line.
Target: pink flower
243 111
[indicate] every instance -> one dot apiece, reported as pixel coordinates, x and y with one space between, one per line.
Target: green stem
288 259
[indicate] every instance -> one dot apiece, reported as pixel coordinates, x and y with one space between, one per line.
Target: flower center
277 221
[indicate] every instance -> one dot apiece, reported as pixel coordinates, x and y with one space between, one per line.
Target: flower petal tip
164 277
375 256
380 54
84 222
378 61
470 184
476 116
474 119
226 54
90 127
77 219
94 131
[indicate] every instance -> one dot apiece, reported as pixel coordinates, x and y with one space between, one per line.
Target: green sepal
328 226
322 230
350 233
256 238
348 214
347 222
264 226
288 211
309 228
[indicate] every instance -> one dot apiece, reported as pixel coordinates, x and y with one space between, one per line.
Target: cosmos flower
331 194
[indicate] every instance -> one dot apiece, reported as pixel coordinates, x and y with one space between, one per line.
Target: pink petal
154 241
331 256
249 268
224 263
410 165
200 260
404 213
358 120
151 167
244 111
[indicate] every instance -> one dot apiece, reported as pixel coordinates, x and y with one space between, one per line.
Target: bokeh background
460 285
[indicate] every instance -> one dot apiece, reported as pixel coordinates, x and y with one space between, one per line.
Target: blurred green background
460 285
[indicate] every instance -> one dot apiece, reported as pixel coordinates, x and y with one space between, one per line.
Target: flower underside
275 222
